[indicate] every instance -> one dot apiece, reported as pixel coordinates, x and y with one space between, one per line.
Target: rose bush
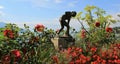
26 46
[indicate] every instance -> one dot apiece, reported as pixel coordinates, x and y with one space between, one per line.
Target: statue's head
73 13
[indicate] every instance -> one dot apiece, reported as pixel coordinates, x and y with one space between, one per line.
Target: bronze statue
64 21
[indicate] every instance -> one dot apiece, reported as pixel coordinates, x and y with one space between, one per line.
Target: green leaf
78 15
89 8
113 21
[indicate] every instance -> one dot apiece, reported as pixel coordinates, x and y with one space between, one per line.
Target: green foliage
96 34
1 34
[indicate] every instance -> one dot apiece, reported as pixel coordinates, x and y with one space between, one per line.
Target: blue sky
48 12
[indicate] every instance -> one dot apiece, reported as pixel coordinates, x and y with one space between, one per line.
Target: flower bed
96 45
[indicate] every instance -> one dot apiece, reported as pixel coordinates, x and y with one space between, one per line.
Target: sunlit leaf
78 15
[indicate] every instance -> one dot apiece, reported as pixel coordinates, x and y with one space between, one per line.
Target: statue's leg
62 27
67 32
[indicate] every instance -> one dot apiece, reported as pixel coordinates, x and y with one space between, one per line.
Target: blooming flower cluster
14 54
83 33
8 33
93 55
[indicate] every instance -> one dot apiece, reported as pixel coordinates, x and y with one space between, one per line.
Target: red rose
8 33
108 29
97 24
39 27
16 53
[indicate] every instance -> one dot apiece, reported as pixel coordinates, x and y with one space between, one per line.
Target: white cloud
1 7
1 12
116 17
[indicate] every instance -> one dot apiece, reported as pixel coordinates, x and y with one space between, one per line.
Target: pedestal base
63 42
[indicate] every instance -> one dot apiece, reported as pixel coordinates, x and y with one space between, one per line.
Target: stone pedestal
63 42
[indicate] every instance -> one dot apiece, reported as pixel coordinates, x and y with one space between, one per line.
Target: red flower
93 49
74 54
83 61
104 54
71 62
95 56
77 61
55 58
6 59
108 29
88 59
83 57
97 24
95 62
16 53
109 61
39 27
83 33
8 33
79 49
69 50
117 61
103 62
